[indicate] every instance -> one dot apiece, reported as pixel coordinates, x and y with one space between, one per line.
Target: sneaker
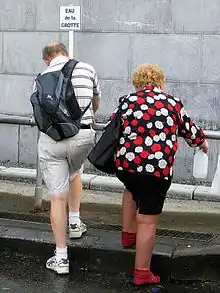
60 267
76 231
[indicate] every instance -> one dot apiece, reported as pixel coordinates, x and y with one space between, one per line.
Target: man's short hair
53 49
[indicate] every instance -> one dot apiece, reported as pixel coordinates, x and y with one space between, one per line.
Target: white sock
74 218
61 253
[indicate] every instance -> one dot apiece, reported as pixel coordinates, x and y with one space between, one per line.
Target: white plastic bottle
215 188
200 165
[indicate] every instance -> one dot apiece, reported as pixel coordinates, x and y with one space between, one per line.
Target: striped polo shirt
85 83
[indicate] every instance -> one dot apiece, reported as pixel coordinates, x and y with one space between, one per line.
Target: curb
101 251
112 184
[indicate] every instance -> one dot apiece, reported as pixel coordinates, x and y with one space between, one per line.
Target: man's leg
76 227
58 216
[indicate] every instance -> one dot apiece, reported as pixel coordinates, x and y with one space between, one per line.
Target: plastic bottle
215 188
200 165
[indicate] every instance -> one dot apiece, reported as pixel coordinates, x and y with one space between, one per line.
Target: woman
151 120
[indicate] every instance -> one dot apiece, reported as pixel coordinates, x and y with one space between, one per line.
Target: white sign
70 18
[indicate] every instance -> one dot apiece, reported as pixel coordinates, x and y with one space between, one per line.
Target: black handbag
103 154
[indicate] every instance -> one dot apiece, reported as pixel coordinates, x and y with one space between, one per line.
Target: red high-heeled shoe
145 277
128 239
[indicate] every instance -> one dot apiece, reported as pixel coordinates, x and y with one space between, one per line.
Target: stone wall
183 36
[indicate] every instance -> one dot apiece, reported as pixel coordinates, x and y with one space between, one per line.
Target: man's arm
96 94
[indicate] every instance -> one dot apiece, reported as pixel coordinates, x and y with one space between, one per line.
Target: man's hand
204 146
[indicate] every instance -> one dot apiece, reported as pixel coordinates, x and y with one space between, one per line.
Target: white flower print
173 137
123 151
122 140
129 112
194 130
162 97
169 121
164 111
151 157
149 125
162 136
158 113
148 141
150 100
144 107
183 112
158 155
162 164
118 154
171 171
187 125
149 168
156 138
120 168
176 99
157 98
140 169
127 130
172 102
159 124
130 156
157 90
132 136
138 114
132 98
139 149
124 106
169 143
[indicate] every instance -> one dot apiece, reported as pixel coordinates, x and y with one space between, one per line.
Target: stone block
47 18
22 51
183 163
204 193
181 191
15 16
127 15
15 92
179 55
9 143
108 53
106 184
211 58
200 100
196 16
1 51
28 145
112 90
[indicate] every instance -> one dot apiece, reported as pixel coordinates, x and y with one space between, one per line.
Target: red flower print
141 129
152 133
151 94
178 107
167 150
131 106
140 101
134 122
117 163
125 164
126 123
156 147
146 117
166 171
157 174
166 131
170 159
137 160
170 107
138 140
159 104
144 154
127 145
151 111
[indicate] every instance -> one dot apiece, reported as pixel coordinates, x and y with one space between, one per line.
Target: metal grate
192 236
165 233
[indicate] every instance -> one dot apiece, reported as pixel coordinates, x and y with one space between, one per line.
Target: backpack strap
67 71
68 68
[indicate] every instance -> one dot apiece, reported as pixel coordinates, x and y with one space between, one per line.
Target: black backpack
56 110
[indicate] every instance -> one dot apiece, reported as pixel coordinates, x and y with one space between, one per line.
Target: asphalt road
21 273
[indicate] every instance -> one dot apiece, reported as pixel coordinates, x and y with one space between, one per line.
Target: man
62 161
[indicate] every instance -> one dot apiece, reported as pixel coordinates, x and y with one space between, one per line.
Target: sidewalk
188 244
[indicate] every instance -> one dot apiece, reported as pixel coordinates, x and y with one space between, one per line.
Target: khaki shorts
61 161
